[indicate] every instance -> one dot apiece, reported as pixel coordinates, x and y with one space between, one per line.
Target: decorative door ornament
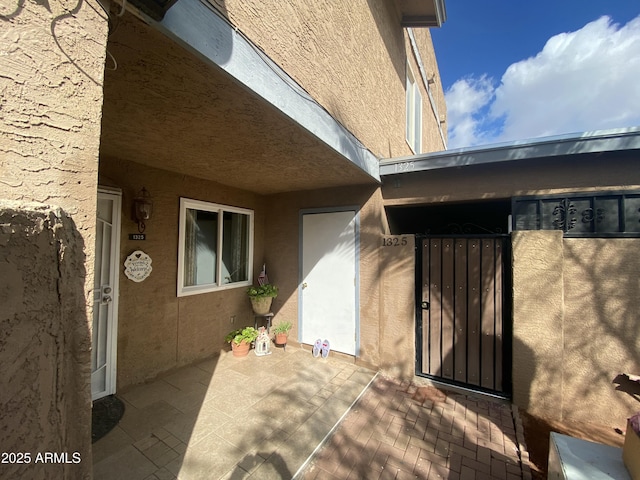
137 266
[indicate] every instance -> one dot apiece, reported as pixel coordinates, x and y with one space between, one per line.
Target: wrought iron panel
461 324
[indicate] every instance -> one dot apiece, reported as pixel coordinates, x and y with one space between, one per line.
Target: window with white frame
215 245
414 113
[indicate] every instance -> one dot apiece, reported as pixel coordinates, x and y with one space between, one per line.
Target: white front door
105 295
328 286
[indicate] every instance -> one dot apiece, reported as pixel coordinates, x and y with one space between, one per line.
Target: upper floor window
414 113
580 214
215 245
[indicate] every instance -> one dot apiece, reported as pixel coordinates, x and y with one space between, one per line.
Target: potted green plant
281 332
241 339
261 297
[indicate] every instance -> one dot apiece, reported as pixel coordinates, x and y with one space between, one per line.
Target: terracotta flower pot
281 338
240 349
261 305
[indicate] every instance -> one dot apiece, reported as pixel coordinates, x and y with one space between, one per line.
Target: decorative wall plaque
137 266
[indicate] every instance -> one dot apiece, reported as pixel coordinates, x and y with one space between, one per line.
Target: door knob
304 285
425 305
106 299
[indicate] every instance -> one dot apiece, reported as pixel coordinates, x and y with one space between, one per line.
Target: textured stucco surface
52 60
45 392
575 325
397 322
537 320
282 250
158 331
166 108
351 57
51 68
504 180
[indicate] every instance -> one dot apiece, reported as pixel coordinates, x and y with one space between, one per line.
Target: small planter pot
261 305
241 349
281 338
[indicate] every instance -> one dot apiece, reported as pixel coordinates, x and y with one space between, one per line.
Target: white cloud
467 101
580 81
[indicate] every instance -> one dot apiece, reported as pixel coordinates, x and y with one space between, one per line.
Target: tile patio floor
230 417
187 425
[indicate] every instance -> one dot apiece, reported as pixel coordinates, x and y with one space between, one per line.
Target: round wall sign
137 266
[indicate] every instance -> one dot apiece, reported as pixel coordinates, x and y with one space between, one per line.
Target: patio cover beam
198 27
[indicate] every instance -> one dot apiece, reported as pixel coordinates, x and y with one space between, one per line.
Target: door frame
356 214
507 315
112 324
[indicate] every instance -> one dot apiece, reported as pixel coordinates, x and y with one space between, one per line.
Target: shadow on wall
61 16
579 319
45 341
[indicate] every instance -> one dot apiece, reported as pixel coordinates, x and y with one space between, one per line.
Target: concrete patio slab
230 417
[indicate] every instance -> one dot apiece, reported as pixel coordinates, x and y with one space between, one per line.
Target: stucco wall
158 331
282 246
504 180
350 56
52 57
398 316
45 342
575 325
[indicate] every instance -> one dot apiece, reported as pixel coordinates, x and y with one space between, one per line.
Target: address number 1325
394 241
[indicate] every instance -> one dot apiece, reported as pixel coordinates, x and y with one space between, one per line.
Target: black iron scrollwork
589 215
562 213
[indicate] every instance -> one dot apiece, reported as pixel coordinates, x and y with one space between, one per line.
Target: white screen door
328 286
105 295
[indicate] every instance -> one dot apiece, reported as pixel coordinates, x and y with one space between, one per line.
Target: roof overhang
422 13
594 142
190 94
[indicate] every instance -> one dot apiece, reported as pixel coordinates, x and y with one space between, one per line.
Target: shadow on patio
230 417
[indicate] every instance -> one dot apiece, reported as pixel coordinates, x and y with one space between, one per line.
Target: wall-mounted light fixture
142 208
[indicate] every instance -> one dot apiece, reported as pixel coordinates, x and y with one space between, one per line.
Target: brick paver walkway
401 431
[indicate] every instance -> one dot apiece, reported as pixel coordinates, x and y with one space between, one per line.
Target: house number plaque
137 266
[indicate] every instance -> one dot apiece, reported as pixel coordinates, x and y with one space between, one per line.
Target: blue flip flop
325 348
317 347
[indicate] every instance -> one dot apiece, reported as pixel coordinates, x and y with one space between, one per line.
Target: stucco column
397 291
52 60
537 321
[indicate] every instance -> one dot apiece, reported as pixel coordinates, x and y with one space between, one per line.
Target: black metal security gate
463 319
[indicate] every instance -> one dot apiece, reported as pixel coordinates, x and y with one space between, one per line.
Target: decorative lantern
263 343
142 208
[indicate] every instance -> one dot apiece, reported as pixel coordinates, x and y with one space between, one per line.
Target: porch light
142 208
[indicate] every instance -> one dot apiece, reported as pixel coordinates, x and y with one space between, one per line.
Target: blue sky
514 69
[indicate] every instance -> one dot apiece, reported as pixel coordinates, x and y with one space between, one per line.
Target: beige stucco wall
44 344
504 180
397 293
282 255
52 58
351 57
157 330
575 325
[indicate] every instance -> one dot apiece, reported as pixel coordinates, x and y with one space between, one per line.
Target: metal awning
594 142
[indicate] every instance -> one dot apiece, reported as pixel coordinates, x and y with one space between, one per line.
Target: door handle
425 305
106 299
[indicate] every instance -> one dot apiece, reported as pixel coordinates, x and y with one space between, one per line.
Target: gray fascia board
564 145
198 28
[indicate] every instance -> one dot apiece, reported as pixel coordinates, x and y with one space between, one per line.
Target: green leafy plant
237 336
282 327
261 291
